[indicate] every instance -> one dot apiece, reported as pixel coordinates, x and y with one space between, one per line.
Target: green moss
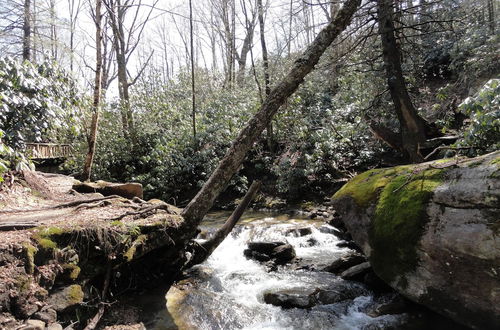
46 244
30 252
365 187
399 222
117 223
45 237
75 294
496 161
129 255
73 271
23 283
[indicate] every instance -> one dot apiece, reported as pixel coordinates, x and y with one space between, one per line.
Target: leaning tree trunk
412 125
229 165
97 94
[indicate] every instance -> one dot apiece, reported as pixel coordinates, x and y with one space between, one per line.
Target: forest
391 107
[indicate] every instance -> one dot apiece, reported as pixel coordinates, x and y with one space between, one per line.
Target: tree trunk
203 251
247 44
27 31
193 95
412 125
97 94
491 17
265 64
229 165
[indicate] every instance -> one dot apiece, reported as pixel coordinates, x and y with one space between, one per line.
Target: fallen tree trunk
229 165
202 251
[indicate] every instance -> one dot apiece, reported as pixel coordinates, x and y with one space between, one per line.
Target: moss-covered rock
431 230
67 297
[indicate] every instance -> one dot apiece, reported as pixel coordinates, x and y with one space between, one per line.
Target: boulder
299 232
345 262
356 273
278 252
340 293
283 254
432 232
67 297
127 190
289 300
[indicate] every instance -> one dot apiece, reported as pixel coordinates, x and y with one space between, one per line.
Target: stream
227 291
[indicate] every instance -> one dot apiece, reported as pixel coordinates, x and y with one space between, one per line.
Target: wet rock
67 297
289 300
345 262
350 245
396 305
312 242
256 255
283 254
340 293
376 283
278 252
356 273
342 235
299 232
264 247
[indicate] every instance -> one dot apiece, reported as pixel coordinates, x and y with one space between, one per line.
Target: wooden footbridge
47 151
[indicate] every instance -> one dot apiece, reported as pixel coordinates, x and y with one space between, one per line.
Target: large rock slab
432 232
127 190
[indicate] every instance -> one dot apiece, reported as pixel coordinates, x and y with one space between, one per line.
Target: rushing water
230 289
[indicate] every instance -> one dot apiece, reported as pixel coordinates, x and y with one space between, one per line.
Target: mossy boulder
67 297
431 231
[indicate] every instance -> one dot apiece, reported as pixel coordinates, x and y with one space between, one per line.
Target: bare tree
193 91
126 39
27 31
92 138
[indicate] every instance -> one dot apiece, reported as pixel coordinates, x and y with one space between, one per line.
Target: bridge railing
48 150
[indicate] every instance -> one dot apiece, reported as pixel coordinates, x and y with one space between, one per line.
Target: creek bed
227 291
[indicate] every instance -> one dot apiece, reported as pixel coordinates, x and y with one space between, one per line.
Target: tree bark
27 31
92 139
412 125
247 44
265 65
204 250
193 95
229 165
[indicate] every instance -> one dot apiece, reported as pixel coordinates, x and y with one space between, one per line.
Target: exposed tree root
65 205
143 211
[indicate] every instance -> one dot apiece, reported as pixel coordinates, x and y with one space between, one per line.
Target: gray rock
264 247
289 300
345 262
48 315
356 272
299 232
67 297
435 236
283 254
